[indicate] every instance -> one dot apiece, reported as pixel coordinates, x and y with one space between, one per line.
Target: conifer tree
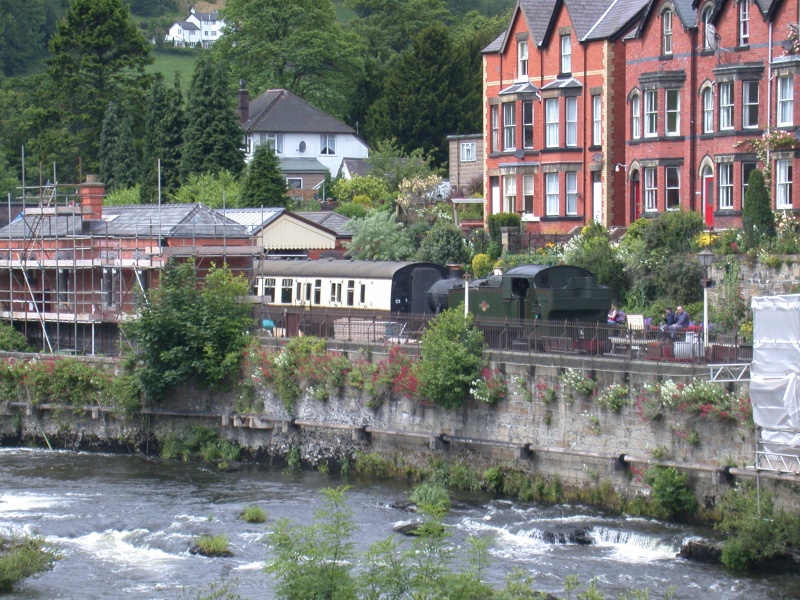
212 138
757 217
117 151
264 184
164 141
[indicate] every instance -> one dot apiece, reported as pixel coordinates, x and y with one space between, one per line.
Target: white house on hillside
198 29
308 141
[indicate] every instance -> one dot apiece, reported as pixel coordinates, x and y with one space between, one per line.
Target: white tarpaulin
774 384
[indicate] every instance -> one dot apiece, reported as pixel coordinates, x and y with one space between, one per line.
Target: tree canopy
379 236
297 45
97 56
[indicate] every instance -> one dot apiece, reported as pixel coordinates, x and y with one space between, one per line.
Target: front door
636 209
497 206
708 197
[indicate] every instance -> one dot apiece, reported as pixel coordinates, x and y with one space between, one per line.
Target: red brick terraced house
620 109
554 113
71 270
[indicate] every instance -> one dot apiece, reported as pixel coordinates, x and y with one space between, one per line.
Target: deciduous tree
444 244
379 236
297 45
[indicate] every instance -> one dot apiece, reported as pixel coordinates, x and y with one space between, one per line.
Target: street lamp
705 258
466 295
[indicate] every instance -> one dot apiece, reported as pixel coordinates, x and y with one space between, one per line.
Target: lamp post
466 295
705 258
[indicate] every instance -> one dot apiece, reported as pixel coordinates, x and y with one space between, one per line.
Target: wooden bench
560 344
633 338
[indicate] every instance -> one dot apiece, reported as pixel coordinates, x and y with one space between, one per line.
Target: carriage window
351 292
336 292
269 289
286 291
299 293
317 291
308 292
363 293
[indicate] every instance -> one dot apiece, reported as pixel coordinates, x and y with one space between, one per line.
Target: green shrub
213 545
481 265
499 220
21 558
673 231
614 397
254 514
452 358
758 220
12 340
670 493
678 277
352 210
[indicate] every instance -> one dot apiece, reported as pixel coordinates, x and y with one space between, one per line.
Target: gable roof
355 166
329 220
685 9
187 26
255 219
585 13
538 14
281 111
619 15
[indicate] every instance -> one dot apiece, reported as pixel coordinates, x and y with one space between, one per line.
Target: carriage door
496 204
708 196
292 324
597 197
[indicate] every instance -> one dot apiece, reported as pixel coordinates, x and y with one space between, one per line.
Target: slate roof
538 14
520 88
302 165
253 219
356 166
329 220
585 13
188 26
560 84
281 111
496 45
174 220
686 13
618 16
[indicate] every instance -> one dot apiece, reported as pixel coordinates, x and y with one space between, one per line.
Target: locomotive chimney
455 271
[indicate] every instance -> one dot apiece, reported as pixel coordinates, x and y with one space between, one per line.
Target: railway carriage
397 287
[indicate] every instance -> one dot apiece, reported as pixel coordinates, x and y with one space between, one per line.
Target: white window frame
509 193
566 54
666 33
571 117
672 188
672 112
705 21
552 194
725 174
750 104
289 181
327 144
551 123
636 117
649 176
597 120
744 22
468 152
522 59
527 124
785 112
527 194
783 183
274 139
651 113
746 166
708 110
509 125
726 106
495 116
571 185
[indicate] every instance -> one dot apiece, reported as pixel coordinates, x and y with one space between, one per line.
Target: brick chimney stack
92 192
244 102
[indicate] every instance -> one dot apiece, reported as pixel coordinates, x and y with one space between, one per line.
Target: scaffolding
67 283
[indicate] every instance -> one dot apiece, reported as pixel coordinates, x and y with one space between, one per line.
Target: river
122 526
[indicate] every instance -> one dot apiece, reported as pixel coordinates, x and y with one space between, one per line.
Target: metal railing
540 336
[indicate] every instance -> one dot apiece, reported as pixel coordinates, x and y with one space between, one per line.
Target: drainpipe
693 127
586 140
769 74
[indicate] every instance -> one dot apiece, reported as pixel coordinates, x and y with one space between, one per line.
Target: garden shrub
12 340
678 277
499 220
592 250
757 216
451 358
673 231
481 265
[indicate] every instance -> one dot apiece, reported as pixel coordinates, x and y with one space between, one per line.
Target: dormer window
566 54
666 33
706 31
744 23
522 57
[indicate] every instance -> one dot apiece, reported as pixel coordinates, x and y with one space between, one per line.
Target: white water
123 527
